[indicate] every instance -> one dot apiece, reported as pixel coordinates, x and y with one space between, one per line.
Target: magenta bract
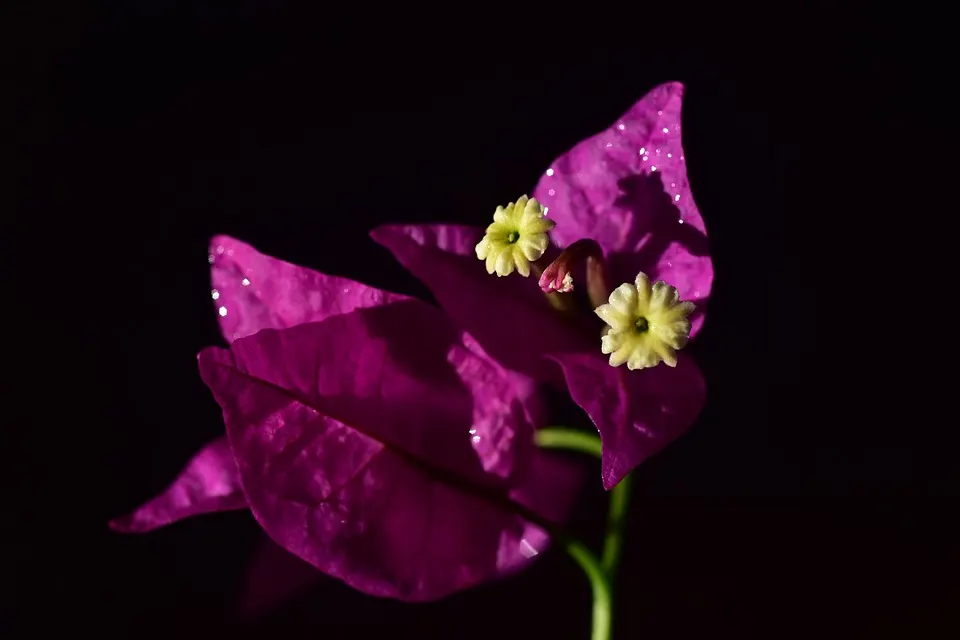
370 437
626 188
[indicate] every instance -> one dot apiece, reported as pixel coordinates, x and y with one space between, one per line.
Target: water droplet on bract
526 549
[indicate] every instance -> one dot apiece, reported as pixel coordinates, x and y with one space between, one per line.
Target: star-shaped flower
516 237
647 324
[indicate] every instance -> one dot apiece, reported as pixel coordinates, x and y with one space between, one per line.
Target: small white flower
647 324
517 237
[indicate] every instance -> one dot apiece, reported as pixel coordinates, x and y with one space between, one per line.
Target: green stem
600 574
599 585
616 525
569 439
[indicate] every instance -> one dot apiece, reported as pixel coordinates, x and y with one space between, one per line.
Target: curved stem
616 525
600 574
569 439
599 585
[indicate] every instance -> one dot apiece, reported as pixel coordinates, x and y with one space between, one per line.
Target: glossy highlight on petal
209 483
637 413
357 442
252 291
627 188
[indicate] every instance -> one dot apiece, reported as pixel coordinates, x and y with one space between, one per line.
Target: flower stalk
600 573
602 619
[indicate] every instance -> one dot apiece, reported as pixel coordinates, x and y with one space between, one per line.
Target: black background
139 133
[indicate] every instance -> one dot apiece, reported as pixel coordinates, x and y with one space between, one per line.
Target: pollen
647 324
517 236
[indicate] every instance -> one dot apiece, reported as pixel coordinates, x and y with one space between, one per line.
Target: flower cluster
419 499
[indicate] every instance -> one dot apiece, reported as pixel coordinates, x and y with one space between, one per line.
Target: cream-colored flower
517 237
647 324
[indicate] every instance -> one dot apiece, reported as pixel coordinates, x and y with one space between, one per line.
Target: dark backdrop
140 133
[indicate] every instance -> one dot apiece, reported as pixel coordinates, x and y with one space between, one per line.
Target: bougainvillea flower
380 444
626 190
516 237
646 324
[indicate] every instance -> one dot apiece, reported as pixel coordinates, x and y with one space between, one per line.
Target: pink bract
371 436
253 291
210 482
626 188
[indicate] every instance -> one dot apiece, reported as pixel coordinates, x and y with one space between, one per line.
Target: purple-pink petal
362 442
210 482
509 316
252 291
638 413
627 188
550 487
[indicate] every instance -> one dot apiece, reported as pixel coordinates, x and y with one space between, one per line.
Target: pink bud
558 276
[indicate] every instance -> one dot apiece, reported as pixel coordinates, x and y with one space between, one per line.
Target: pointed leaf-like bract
210 482
627 188
253 291
637 413
383 449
